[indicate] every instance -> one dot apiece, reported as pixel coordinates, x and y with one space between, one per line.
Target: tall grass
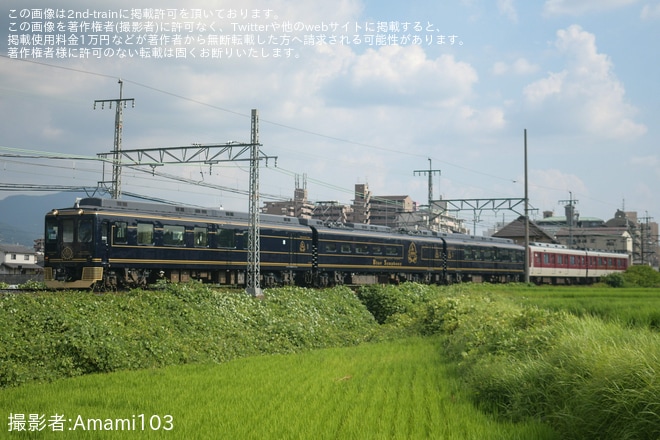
398 389
632 307
517 351
587 377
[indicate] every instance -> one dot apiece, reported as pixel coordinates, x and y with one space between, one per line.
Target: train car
484 259
556 264
108 244
369 254
111 243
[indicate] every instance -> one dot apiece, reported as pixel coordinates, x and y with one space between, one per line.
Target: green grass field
390 390
407 361
633 307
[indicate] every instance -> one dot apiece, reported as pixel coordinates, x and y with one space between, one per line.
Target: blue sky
580 76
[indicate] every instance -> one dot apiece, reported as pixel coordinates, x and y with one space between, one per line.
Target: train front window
67 231
51 230
85 228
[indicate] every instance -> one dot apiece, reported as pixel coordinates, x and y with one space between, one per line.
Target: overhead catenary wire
402 151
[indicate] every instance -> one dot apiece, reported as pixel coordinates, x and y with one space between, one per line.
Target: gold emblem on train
412 253
67 253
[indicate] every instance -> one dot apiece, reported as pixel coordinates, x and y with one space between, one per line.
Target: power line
288 127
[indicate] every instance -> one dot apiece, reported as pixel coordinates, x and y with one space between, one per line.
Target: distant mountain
22 216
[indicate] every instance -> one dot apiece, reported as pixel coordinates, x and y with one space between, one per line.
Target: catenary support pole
526 216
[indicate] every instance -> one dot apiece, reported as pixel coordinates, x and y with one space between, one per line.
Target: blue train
108 244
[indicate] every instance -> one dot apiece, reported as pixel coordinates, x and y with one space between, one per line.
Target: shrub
642 276
614 280
386 301
45 336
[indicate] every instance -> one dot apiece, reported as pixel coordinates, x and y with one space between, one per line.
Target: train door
291 250
104 242
313 277
437 262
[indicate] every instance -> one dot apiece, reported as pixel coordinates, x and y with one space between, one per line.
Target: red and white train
550 263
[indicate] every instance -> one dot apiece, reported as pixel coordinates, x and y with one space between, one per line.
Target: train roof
175 210
564 248
97 204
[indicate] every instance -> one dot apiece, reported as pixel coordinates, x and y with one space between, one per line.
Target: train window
200 236
104 232
173 235
560 259
546 259
345 248
226 238
377 250
121 235
391 251
361 249
572 261
85 228
67 231
51 230
331 247
145 233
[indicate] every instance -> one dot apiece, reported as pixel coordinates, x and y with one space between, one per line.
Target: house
516 232
18 260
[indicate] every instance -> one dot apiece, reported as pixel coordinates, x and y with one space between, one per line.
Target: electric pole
120 104
569 206
253 286
645 232
527 256
430 172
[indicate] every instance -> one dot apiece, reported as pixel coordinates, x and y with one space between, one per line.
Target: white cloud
650 161
507 8
396 73
538 91
651 12
519 67
586 94
580 7
549 185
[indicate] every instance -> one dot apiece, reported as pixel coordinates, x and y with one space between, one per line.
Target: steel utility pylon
430 172
120 104
253 286
210 155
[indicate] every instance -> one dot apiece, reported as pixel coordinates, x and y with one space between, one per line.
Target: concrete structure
643 233
299 206
601 238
